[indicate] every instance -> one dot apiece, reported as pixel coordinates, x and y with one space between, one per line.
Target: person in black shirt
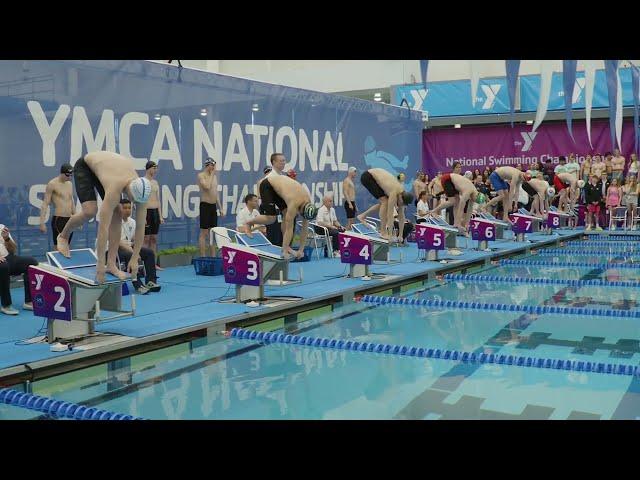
592 198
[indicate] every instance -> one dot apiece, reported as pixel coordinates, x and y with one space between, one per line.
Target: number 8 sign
553 220
51 294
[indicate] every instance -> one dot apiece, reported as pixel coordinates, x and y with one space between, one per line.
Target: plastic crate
209 266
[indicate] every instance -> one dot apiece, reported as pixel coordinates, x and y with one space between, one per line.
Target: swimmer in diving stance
111 175
459 190
390 194
292 199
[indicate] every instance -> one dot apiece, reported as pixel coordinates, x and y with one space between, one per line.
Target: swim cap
551 191
150 164
468 174
67 169
407 198
401 177
527 177
580 183
292 174
352 169
309 211
480 198
140 189
267 169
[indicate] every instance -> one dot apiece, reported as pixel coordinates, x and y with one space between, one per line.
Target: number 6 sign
355 250
240 267
482 230
51 294
429 237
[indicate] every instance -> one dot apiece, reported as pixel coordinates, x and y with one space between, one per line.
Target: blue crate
209 266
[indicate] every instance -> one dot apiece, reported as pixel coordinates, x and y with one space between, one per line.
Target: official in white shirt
12 264
249 212
125 250
326 217
422 208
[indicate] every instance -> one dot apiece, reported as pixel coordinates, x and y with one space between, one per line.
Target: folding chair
619 215
635 220
315 237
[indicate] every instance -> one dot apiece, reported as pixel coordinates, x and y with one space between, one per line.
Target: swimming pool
228 378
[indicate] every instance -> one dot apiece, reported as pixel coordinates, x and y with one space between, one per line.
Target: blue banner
568 87
52 112
610 67
530 91
443 99
635 74
512 67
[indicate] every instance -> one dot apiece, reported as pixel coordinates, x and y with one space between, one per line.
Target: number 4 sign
240 267
51 294
354 250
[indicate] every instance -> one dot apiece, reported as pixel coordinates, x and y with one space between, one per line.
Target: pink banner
494 146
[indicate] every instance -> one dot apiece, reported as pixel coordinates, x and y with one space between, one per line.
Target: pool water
228 378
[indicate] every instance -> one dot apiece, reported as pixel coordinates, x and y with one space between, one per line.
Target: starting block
500 225
252 263
558 219
65 292
522 224
356 250
430 240
450 233
379 245
484 231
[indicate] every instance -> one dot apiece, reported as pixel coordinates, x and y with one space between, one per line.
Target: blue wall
52 112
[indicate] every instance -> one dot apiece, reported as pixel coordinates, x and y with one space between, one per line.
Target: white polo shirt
3 249
422 206
326 215
244 216
128 231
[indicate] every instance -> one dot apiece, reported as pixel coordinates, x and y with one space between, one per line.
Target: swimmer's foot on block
62 245
361 218
116 272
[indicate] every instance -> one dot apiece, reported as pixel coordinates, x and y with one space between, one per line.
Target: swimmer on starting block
459 190
292 199
541 192
390 193
568 189
111 175
506 182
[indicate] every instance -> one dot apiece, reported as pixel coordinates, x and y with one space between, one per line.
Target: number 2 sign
240 267
51 294
355 250
429 237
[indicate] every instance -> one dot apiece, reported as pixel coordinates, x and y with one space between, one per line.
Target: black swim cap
66 168
407 198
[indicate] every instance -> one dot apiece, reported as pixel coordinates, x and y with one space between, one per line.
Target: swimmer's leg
363 216
87 211
115 229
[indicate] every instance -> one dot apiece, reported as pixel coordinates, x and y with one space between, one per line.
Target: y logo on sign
491 92
578 88
232 255
528 140
419 97
39 278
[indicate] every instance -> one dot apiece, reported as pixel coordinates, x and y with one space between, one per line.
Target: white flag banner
474 66
619 111
546 73
589 83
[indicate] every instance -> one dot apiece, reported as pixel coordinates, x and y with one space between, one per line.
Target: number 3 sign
240 267
51 294
354 250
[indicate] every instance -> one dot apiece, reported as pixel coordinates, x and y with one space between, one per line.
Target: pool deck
189 304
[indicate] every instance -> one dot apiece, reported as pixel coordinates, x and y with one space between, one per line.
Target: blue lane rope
574 252
58 408
455 355
503 307
546 263
595 243
547 281
616 237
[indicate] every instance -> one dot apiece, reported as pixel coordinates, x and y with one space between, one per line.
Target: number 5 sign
240 267
51 294
482 230
354 250
429 237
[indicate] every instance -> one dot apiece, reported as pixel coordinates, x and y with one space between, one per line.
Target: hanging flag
589 83
618 110
569 81
424 66
611 69
512 67
475 80
546 73
635 85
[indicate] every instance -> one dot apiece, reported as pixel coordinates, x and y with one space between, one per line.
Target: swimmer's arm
45 203
401 218
159 204
202 183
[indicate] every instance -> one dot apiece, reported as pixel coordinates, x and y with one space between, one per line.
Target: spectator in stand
573 167
481 186
422 207
585 169
326 217
634 167
617 166
519 167
419 184
630 192
613 198
562 165
12 264
534 172
607 162
476 173
603 185
593 198
406 229
598 166
456 168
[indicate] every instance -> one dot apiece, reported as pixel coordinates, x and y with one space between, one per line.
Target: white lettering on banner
48 131
310 150
343 167
191 201
34 199
491 92
419 96
327 153
293 146
236 151
172 152
169 200
257 131
201 139
82 134
126 122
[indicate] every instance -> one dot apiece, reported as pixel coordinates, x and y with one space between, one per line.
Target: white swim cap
140 189
551 191
468 174
580 183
